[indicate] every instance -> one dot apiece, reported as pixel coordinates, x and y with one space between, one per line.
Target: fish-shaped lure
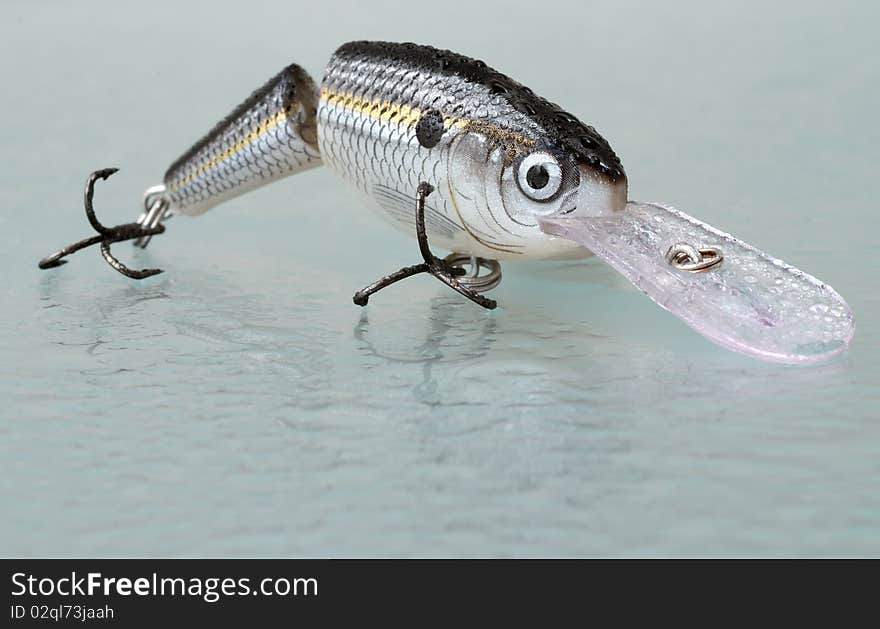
447 148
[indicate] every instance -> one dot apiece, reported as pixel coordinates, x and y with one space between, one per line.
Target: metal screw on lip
686 257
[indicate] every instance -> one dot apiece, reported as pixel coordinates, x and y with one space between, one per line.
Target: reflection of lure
510 176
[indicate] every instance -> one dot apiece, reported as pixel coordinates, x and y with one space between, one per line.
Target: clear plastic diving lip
725 289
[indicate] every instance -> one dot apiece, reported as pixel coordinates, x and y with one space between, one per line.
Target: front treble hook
443 269
106 235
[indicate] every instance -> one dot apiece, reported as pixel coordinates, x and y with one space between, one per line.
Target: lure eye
539 176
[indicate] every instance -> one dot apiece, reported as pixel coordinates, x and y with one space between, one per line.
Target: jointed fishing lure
469 160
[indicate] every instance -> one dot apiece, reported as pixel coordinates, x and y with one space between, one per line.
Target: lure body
510 176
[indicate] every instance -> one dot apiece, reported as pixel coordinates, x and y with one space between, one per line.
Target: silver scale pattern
379 154
270 135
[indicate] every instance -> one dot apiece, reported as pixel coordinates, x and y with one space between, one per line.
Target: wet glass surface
239 404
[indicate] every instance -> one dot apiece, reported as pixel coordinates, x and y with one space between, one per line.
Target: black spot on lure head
429 128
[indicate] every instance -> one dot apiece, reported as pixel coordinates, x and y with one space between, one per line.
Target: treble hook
106 235
439 268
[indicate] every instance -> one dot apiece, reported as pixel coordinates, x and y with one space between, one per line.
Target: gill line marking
467 227
503 207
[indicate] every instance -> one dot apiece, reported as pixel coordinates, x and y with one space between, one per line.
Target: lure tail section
270 135
725 289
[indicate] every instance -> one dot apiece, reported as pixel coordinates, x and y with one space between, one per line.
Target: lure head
553 164
561 174
535 160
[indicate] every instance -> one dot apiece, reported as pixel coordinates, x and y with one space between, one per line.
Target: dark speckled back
399 72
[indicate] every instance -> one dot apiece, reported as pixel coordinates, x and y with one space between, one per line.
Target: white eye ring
544 169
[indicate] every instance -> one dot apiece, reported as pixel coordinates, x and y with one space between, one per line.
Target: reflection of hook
434 350
106 235
441 322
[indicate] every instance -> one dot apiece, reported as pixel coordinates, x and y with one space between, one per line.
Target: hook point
51 264
105 173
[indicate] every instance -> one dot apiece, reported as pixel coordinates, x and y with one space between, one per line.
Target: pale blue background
240 405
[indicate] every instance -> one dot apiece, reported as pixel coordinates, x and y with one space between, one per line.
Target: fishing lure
444 147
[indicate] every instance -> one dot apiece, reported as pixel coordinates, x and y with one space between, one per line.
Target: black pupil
537 176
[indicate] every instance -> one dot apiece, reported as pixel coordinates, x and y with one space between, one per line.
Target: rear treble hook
106 235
